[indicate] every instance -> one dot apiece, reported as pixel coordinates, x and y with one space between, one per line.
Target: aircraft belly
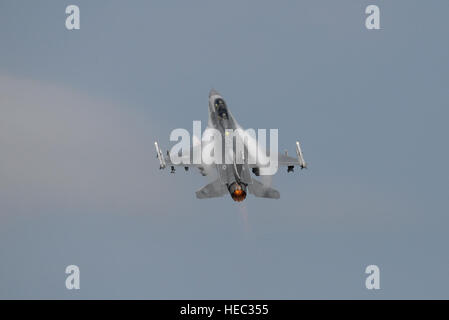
245 175
227 176
225 173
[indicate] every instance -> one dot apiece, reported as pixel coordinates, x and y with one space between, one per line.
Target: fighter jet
233 176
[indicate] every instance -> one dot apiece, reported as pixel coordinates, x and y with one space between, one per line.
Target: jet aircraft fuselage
233 169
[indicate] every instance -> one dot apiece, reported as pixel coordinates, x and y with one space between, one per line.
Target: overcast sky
80 184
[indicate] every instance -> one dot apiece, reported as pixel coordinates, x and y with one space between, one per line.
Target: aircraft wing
283 160
186 162
286 160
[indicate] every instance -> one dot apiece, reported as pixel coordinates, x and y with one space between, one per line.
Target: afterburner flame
237 191
238 195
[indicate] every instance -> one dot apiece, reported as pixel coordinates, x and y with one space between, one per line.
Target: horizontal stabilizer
212 190
260 190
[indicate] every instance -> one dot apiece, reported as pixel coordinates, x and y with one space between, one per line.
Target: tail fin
212 190
260 190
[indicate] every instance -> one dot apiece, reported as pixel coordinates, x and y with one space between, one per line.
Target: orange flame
238 195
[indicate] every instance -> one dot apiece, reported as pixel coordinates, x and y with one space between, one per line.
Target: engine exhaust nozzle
237 191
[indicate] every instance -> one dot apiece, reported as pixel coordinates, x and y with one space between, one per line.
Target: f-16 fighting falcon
233 174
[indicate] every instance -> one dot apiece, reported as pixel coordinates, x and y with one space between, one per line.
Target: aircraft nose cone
213 92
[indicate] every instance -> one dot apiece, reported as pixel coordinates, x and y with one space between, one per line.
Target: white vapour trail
257 153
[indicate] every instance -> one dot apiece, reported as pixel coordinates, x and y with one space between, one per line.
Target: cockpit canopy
220 108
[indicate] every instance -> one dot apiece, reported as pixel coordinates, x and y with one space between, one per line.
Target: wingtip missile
160 156
302 163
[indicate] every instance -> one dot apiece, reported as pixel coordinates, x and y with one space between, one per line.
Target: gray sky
79 182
